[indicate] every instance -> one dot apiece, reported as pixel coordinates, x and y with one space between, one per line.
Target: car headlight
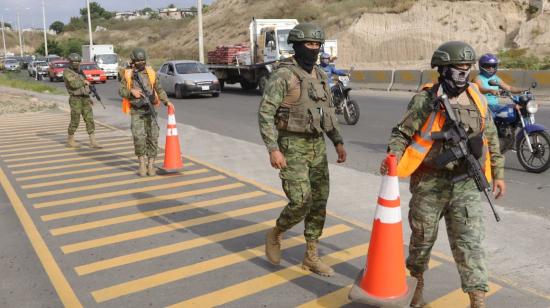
216 81
532 107
189 82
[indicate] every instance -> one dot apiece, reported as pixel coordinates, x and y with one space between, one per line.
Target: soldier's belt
284 133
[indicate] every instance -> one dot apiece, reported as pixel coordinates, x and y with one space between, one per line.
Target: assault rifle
149 98
93 90
466 149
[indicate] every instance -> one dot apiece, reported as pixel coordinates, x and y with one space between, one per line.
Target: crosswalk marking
123 166
70 153
458 298
137 202
40 144
258 284
153 213
25 151
172 248
133 235
62 160
115 183
76 165
183 272
58 124
30 137
46 132
127 192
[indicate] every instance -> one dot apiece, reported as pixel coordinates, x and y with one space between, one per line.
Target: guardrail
412 80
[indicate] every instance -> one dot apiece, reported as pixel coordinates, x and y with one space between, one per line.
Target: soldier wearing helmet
434 193
79 101
295 112
141 94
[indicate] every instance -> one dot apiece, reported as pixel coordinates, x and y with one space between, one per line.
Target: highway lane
234 114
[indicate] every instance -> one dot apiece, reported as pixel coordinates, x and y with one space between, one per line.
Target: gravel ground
14 101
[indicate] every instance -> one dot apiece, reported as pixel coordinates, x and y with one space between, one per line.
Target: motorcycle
343 102
518 131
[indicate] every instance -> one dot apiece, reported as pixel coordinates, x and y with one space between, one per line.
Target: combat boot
71 143
273 245
477 299
93 142
313 263
151 171
142 171
418 297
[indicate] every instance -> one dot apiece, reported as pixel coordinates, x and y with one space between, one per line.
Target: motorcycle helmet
488 65
325 59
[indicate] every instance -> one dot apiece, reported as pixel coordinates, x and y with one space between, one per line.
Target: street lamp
3 37
44 25
199 19
89 24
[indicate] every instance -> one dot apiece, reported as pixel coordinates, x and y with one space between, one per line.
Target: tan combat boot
313 263
142 171
71 143
273 245
418 297
477 299
151 171
93 142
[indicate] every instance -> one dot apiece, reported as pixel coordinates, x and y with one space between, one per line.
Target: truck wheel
247 85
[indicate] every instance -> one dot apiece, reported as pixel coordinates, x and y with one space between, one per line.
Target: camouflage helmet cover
74 57
306 32
453 52
138 54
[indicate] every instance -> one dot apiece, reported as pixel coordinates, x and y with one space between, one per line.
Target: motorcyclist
488 66
330 69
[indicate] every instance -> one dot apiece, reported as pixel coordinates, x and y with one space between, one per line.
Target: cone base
358 295
163 171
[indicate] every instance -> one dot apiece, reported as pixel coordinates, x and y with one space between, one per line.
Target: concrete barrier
514 78
427 76
406 80
379 79
543 81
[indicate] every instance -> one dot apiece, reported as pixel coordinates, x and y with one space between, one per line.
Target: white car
38 67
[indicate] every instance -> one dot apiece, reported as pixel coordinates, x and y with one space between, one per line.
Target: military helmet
138 54
306 32
453 52
74 57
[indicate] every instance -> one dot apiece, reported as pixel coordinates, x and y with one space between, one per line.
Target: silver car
11 65
187 77
38 68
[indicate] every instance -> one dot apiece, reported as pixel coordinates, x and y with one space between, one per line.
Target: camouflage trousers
435 196
81 106
145 131
306 184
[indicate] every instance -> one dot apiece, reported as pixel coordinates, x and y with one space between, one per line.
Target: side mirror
534 84
170 73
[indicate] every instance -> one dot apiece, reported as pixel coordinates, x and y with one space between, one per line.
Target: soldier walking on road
79 101
436 190
294 112
141 94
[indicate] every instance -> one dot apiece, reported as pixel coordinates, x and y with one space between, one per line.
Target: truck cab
108 63
268 39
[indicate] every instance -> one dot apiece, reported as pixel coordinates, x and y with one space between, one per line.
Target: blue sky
63 10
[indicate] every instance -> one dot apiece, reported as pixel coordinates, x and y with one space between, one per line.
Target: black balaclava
305 57
453 80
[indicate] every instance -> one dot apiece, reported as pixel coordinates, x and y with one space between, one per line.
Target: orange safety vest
128 74
422 142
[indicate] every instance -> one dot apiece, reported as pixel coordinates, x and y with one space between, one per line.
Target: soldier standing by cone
294 113
438 187
141 94
79 101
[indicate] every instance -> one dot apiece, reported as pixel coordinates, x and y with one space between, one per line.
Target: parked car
38 69
187 77
11 65
55 71
92 72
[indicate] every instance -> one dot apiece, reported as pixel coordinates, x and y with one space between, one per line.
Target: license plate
95 78
205 88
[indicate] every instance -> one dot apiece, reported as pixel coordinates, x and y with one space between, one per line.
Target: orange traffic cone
172 152
383 282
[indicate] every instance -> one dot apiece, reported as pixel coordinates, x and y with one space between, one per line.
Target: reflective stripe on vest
128 75
422 142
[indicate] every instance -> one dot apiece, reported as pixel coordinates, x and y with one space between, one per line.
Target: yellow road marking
339 297
132 235
7 123
65 166
172 248
458 298
80 171
183 272
68 159
60 283
258 284
49 128
83 188
72 153
127 192
136 202
40 144
61 148
153 213
57 135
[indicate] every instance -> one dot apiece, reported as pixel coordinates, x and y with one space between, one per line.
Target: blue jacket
330 69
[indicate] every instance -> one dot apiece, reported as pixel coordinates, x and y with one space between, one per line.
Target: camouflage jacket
418 110
277 88
75 83
124 92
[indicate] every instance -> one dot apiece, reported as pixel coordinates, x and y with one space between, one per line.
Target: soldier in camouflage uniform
79 101
145 129
294 112
434 194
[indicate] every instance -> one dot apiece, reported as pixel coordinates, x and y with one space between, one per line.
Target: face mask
140 66
305 57
453 80
75 66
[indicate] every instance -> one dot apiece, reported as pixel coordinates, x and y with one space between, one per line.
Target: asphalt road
234 114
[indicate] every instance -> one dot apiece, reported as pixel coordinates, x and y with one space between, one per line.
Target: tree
96 11
154 16
171 6
146 11
7 25
53 48
75 23
72 45
57 26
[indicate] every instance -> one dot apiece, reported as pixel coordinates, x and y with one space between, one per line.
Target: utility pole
4 37
44 24
20 40
89 25
201 43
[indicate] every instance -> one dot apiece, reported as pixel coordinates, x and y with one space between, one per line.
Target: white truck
268 45
104 56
